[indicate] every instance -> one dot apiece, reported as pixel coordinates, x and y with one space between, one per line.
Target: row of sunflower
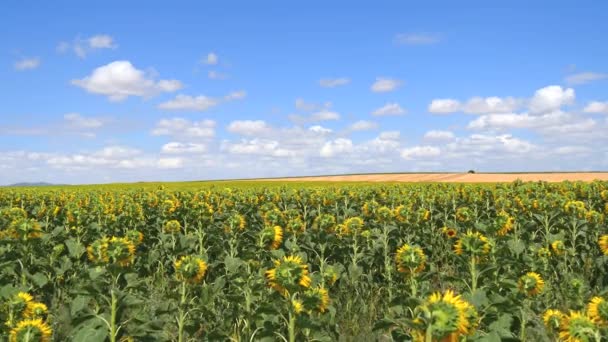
434 262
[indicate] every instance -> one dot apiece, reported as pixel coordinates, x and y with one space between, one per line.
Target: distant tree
471 171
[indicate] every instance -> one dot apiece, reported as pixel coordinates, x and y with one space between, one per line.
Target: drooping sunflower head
384 214
297 306
316 299
369 208
451 233
35 310
577 327
272 236
531 284
558 247
20 302
603 242
97 252
575 208
169 206
25 229
325 222
597 310
296 225
594 217
401 213
543 252
190 269
552 319
330 275
353 225
504 223
289 274
472 244
31 330
448 314
172 227
410 259
135 236
121 251
274 217
464 214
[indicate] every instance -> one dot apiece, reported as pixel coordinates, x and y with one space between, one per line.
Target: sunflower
531 284
603 242
330 275
449 232
505 223
121 251
31 330
597 310
35 310
289 274
577 327
172 227
473 244
384 214
272 236
136 237
353 224
190 269
297 306
326 222
463 214
449 315
97 252
543 252
558 247
410 259
316 299
296 225
552 319
401 213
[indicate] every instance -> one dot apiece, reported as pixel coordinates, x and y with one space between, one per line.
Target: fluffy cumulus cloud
336 147
320 129
180 128
333 82
420 152
199 103
120 79
444 106
175 147
264 147
385 85
27 64
391 108
75 120
551 98
438 135
363 125
211 59
417 38
476 105
597 107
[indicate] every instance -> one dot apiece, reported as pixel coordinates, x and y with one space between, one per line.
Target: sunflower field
315 262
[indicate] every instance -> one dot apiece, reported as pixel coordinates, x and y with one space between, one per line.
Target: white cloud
77 121
264 147
236 95
27 64
363 125
119 80
596 107
215 75
585 77
248 127
417 38
391 108
182 148
113 152
383 85
189 103
319 129
336 147
417 152
211 59
102 41
309 106
181 128
444 106
170 163
82 47
437 135
325 115
493 104
333 82
551 98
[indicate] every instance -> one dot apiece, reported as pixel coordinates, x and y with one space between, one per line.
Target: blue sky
129 91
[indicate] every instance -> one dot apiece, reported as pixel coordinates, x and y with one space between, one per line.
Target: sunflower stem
113 311
182 317
292 327
473 274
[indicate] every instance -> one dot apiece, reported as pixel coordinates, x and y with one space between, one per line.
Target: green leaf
75 249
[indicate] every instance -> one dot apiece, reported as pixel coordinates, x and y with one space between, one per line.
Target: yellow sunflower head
172 227
316 299
603 242
450 233
504 223
558 247
384 214
543 252
552 319
577 327
297 306
289 274
190 269
597 310
31 330
531 284
472 244
326 222
121 251
296 225
464 214
35 310
353 225
272 236
330 275
410 259
449 315
135 236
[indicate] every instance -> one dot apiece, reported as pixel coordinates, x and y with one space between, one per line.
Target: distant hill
33 184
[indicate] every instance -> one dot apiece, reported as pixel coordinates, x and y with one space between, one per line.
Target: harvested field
455 177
